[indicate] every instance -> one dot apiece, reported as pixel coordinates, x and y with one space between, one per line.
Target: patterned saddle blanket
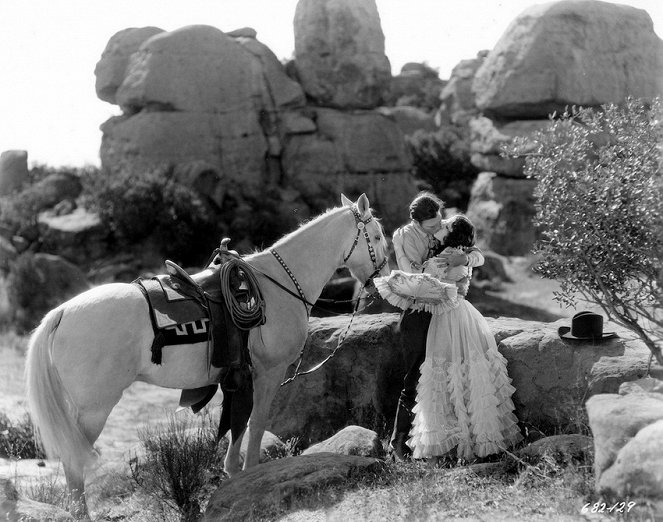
188 311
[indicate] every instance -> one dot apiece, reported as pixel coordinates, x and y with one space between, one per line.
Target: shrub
600 211
19 211
442 162
17 440
180 458
154 206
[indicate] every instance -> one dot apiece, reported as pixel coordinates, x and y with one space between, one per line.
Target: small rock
352 440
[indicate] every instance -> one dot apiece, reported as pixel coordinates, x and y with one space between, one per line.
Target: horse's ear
345 201
363 205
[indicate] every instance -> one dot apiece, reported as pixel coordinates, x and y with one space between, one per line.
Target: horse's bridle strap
361 227
292 278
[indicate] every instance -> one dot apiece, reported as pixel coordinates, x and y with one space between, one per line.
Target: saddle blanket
180 318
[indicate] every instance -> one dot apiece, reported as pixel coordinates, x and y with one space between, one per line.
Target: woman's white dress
464 391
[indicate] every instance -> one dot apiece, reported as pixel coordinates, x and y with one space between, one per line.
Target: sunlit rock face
112 66
219 110
581 52
339 53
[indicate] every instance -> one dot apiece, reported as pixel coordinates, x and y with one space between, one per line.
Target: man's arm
408 255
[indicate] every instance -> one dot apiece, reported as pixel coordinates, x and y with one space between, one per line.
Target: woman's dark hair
425 206
462 233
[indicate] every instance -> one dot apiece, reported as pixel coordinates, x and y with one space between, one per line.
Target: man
414 243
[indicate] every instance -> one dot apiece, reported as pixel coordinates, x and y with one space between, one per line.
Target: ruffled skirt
464 392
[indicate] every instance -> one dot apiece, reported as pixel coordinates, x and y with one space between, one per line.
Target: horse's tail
53 412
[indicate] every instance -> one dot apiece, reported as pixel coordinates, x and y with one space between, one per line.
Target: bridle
361 227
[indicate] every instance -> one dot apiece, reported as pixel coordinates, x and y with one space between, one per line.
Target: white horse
91 348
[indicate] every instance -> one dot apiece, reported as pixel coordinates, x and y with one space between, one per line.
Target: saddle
187 309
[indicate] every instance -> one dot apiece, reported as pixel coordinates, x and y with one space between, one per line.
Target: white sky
49 48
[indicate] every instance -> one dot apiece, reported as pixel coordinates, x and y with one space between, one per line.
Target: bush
600 211
154 207
442 162
17 440
19 212
181 457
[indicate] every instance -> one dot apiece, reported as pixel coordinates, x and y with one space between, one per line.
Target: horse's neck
311 253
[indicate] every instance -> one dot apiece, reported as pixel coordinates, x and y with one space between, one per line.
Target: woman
463 399
415 243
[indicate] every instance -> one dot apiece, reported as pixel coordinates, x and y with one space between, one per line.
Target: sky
49 49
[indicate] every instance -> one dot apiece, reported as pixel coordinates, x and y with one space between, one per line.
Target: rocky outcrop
79 236
362 151
417 86
111 68
280 481
410 119
13 171
572 52
457 98
339 53
502 209
221 112
360 385
628 441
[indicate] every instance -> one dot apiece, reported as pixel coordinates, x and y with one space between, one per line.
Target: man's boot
399 449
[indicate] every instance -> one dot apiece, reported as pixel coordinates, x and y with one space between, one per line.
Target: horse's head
366 251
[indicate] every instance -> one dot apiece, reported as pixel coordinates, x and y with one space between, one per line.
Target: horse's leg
231 463
265 386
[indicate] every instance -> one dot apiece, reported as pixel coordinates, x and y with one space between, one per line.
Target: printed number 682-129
602 507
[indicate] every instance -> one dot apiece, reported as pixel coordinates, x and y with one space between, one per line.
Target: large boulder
231 145
572 52
280 481
628 441
351 440
502 209
339 53
13 171
361 384
111 67
194 69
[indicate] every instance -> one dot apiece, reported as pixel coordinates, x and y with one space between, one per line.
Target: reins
361 227
254 314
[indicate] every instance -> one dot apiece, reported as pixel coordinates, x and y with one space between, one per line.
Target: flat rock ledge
281 480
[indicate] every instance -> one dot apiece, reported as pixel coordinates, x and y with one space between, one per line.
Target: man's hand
463 286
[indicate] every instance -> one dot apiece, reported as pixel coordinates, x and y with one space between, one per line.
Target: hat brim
565 333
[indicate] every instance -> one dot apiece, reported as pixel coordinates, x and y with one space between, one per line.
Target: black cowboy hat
586 326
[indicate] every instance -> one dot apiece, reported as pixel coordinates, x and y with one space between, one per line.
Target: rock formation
572 52
628 440
220 110
554 55
13 171
360 385
339 53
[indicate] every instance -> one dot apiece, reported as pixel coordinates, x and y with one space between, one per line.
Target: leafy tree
599 204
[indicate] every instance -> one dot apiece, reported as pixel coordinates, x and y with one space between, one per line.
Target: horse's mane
311 222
